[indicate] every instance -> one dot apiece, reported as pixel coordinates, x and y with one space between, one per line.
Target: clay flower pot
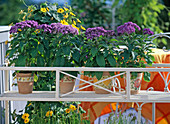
66 84
105 84
25 82
135 83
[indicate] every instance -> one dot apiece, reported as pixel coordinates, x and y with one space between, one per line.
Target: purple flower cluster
148 31
53 28
22 25
58 28
97 32
128 28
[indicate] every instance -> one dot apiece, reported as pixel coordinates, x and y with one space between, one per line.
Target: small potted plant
136 51
98 51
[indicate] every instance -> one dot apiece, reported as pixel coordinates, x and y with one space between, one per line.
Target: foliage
51 112
94 13
145 13
137 47
98 50
9 10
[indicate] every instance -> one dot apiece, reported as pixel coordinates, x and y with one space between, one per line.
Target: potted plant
136 51
98 51
39 42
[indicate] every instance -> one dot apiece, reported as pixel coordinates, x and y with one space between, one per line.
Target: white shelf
151 96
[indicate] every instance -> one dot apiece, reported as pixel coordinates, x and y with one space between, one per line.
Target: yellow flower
43 10
38 42
74 22
21 12
10 36
26 115
29 104
78 21
51 18
24 17
19 30
10 24
47 8
6 42
75 27
26 120
66 15
60 10
82 28
64 22
65 8
72 14
49 113
72 107
67 110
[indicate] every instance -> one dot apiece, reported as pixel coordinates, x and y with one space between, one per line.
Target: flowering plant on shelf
137 48
46 44
98 50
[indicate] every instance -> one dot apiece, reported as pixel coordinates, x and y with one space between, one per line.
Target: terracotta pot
106 84
25 82
66 84
135 84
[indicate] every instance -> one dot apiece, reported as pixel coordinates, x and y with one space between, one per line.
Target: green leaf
40 61
66 50
11 52
35 78
111 60
100 61
46 44
98 75
76 56
33 53
41 48
60 61
94 51
21 61
146 76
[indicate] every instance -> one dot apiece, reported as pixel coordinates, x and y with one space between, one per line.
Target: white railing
76 95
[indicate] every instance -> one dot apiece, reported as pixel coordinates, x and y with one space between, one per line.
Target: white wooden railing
144 96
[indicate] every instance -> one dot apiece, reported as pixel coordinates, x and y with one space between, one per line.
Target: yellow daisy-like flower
29 104
60 10
65 8
21 12
51 113
43 10
47 8
72 14
72 107
75 27
19 30
64 22
67 110
74 22
78 20
6 42
25 115
66 15
82 27
47 114
38 42
26 120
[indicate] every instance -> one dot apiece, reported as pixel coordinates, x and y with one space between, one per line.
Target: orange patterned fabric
96 109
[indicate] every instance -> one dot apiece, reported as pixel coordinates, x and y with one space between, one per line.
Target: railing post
153 113
128 84
6 102
57 84
139 115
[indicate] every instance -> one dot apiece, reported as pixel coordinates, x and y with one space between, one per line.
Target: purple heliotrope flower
127 28
22 25
148 31
97 32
